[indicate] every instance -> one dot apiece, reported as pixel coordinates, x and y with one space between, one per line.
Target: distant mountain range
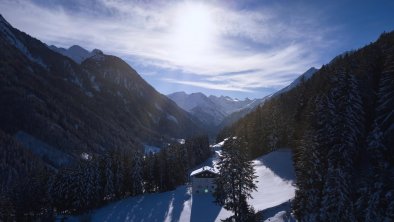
219 112
213 111
58 101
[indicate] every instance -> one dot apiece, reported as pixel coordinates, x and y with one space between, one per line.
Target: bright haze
235 48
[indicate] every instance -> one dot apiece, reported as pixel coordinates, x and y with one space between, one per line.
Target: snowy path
275 175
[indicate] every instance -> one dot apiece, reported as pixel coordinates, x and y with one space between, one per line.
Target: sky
249 48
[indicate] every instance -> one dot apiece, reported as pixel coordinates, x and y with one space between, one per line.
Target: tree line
340 125
40 192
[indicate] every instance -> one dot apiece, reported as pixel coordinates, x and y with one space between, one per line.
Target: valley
196 111
275 188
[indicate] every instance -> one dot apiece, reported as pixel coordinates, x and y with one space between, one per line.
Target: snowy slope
275 187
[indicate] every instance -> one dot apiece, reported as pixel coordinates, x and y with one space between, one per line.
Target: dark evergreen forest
340 124
30 189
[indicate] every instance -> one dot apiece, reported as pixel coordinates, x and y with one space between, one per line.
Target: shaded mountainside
92 107
71 134
340 122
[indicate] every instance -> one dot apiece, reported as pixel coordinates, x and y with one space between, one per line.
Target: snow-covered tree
348 128
236 178
380 147
137 173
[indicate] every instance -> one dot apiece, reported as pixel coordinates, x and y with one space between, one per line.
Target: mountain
55 107
302 78
219 112
340 124
212 111
200 106
230 105
75 52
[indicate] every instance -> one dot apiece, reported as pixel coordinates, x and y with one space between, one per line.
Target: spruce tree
236 178
137 173
380 148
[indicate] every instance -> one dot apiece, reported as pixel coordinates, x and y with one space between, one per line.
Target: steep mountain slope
302 78
93 107
341 124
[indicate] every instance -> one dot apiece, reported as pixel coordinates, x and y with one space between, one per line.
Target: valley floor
275 189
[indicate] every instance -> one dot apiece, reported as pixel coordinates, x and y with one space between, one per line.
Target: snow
276 179
181 141
212 109
280 213
219 145
86 156
172 118
204 168
151 149
275 188
281 216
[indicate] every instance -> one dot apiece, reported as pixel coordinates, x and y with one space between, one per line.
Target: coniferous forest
340 124
29 189
85 136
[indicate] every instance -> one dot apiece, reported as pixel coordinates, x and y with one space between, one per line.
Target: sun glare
193 31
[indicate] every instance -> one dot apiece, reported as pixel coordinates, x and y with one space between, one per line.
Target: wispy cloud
242 50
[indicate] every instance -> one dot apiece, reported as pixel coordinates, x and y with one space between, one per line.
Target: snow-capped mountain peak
211 110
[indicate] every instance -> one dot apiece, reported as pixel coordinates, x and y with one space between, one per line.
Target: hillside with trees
340 124
72 135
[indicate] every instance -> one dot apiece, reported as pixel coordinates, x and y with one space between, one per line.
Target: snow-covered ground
151 149
275 189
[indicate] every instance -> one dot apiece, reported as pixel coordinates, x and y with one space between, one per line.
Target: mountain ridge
89 107
213 110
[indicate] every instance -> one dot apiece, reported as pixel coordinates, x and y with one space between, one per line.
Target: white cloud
201 38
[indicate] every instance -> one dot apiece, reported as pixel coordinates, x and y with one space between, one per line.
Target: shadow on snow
167 206
203 208
279 162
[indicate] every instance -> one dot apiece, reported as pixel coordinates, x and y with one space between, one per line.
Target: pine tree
137 173
148 175
337 195
311 160
380 148
236 178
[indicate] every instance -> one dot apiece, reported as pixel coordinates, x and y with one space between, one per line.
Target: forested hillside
340 124
72 135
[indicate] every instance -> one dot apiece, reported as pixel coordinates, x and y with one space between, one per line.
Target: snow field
275 187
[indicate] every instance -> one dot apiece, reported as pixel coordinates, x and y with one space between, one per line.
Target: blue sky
235 48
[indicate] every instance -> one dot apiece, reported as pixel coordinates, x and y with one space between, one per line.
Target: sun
193 31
